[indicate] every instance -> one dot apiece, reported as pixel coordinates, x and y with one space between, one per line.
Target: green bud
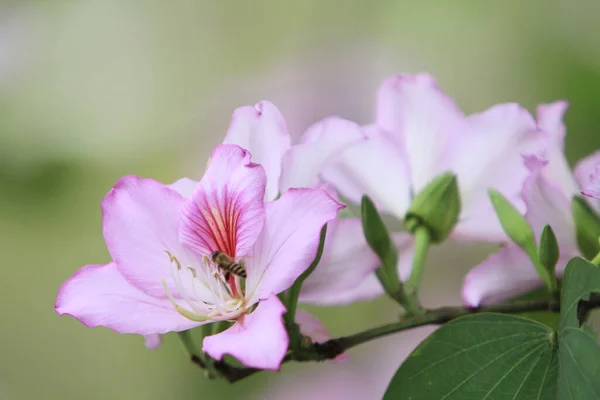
587 227
548 253
380 241
436 206
514 224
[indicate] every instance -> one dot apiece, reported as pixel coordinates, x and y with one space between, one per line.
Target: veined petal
423 120
141 222
547 204
491 156
303 163
288 243
98 295
376 167
184 187
502 276
262 131
314 329
588 176
346 262
226 211
257 340
558 172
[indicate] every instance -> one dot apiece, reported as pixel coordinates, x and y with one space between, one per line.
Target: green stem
334 347
294 291
422 241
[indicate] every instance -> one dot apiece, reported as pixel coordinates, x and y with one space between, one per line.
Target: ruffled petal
314 329
346 262
423 120
491 156
262 131
558 171
226 211
288 243
547 204
184 187
98 295
325 140
140 223
257 340
376 167
504 275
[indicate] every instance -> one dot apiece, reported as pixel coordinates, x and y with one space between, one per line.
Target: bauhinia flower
592 189
547 193
418 134
347 260
164 277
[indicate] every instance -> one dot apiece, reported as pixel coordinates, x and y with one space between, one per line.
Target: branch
438 316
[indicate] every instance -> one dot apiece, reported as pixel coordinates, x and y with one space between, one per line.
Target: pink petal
152 341
547 204
140 222
346 262
314 329
323 141
502 276
98 295
491 156
558 171
226 211
184 187
257 340
289 241
423 120
376 167
262 131
593 188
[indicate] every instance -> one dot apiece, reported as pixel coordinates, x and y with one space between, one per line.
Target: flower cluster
229 249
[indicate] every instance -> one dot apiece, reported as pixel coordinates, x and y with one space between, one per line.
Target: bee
228 265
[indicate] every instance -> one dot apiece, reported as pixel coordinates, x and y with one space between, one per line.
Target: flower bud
436 206
514 223
548 254
587 227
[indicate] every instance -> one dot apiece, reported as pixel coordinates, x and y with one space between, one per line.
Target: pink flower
592 189
162 278
344 272
418 134
547 193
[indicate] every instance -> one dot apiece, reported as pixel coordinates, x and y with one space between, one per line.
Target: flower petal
423 120
303 163
288 243
593 188
98 295
314 329
346 262
184 187
226 211
376 167
491 156
262 131
140 222
558 171
257 340
588 175
547 204
504 275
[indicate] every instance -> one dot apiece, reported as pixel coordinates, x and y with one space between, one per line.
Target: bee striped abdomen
228 265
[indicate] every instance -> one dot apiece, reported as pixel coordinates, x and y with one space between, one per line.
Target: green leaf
380 241
579 351
548 254
483 356
587 227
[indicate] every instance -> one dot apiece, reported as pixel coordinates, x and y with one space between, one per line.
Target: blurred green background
93 90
